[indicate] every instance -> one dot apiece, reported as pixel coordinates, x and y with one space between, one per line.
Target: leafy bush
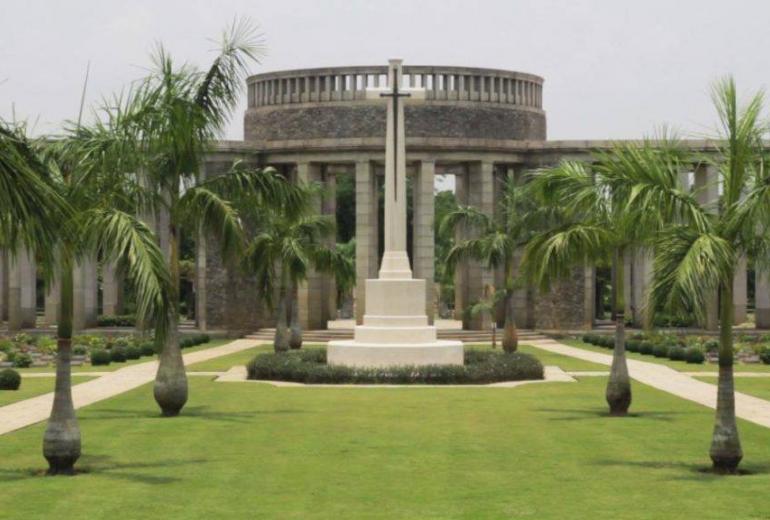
646 347
118 354
123 341
711 345
80 350
20 359
694 356
100 357
481 367
191 341
22 338
133 352
148 348
632 345
677 353
660 351
123 320
6 345
9 379
46 344
764 356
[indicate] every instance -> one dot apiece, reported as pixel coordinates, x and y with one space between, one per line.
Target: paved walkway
30 411
669 380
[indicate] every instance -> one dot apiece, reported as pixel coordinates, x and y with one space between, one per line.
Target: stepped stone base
395 331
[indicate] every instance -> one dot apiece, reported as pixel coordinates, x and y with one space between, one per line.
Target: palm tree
171 119
287 244
595 223
99 223
696 256
498 238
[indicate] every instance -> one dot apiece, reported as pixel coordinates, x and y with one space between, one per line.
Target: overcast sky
612 69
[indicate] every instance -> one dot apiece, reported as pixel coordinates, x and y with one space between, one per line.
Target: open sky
613 69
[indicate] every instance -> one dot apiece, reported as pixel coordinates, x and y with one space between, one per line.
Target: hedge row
123 320
481 367
120 354
9 379
671 351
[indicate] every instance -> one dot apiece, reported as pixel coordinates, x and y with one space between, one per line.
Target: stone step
466 336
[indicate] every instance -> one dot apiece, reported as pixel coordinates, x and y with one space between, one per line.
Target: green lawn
756 386
552 359
676 365
33 386
115 366
245 450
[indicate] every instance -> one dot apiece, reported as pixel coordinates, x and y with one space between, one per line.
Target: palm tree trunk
61 441
510 334
295 329
170 388
726 452
281 340
618 393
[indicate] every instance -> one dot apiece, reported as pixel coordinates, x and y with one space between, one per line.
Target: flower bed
481 367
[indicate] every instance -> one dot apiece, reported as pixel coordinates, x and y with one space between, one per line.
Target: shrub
481 367
6 345
46 344
80 350
22 338
100 357
118 354
764 356
660 351
646 348
9 379
124 320
20 359
677 353
133 352
711 345
632 345
694 356
123 341
148 348
587 338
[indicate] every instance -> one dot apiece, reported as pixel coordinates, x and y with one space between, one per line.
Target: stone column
481 196
707 192
423 242
740 291
367 232
461 269
112 290
311 294
22 281
52 303
762 300
330 209
638 279
84 311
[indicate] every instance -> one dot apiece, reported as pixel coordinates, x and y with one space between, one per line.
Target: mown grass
32 387
756 386
246 450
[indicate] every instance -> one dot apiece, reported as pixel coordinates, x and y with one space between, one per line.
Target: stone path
30 411
669 380
237 374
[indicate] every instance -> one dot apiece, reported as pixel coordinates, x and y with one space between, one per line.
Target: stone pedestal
395 330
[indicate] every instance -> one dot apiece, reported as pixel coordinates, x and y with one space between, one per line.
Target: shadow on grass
104 466
583 414
189 412
694 472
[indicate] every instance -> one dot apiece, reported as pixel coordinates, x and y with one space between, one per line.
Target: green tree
170 120
496 242
696 256
287 244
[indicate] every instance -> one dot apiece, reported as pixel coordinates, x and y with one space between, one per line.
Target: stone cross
395 261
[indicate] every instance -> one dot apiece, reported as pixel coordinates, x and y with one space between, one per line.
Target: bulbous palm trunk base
726 452
295 330
61 445
618 397
295 338
510 334
171 380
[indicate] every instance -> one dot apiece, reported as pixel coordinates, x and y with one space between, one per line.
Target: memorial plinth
395 329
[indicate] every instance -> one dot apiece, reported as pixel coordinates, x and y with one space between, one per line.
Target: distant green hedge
124 320
481 367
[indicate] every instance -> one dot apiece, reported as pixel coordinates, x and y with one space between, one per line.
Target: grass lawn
34 386
756 386
676 365
245 450
115 366
552 359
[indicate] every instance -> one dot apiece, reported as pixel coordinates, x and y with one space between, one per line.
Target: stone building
478 125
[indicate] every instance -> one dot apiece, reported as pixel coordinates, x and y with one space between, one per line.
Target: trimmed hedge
694 356
100 357
764 356
646 347
124 320
481 367
20 359
677 354
194 340
118 354
148 348
133 352
660 351
9 379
